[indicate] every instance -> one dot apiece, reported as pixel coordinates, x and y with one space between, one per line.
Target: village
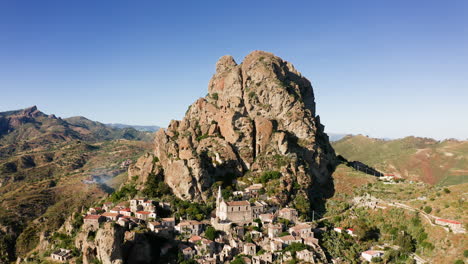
254 232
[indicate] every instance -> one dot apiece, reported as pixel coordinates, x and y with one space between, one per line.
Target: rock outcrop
256 113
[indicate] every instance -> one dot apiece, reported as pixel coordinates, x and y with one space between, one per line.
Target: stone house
288 240
205 247
153 225
111 216
305 255
311 241
253 190
302 230
250 249
288 213
168 222
93 221
276 245
258 208
145 215
266 218
190 226
107 206
274 230
61 255
265 258
187 251
95 210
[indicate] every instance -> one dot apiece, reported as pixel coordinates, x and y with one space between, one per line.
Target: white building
369 254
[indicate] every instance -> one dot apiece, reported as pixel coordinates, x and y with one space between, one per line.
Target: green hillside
427 160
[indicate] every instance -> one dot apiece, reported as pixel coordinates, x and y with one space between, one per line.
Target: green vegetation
155 187
269 175
214 96
427 209
211 233
200 138
189 210
125 193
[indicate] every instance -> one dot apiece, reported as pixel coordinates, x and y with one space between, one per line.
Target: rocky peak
254 111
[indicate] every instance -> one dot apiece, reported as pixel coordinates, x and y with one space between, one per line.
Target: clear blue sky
381 68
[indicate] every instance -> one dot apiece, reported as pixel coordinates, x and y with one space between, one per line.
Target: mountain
30 129
336 136
137 127
258 120
44 162
422 159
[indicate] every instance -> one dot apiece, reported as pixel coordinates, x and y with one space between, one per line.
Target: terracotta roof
254 187
287 210
372 252
143 212
449 221
288 238
110 214
238 203
350 229
92 217
170 219
250 244
301 226
195 239
189 222
155 223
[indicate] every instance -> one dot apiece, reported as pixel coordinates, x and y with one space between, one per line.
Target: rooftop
238 203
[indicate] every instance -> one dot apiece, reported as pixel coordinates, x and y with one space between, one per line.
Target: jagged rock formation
258 116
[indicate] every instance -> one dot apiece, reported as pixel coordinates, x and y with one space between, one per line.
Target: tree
211 233
427 209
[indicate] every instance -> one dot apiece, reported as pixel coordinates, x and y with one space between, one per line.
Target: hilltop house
288 240
305 255
145 215
111 216
274 230
61 255
190 226
288 213
93 221
168 222
302 230
250 249
369 254
450 223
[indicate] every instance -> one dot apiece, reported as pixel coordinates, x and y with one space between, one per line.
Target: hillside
433 162
50 167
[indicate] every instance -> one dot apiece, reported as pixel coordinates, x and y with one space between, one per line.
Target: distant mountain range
29 128
137 127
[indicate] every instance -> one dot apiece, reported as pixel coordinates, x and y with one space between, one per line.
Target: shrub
214 96
446 190
269 175
211 233
427 209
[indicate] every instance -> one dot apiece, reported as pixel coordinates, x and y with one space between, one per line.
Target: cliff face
258 116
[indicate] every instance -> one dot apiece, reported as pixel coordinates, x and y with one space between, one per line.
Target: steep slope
423 159
258 116
43 162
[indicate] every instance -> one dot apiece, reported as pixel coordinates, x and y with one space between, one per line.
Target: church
238 212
